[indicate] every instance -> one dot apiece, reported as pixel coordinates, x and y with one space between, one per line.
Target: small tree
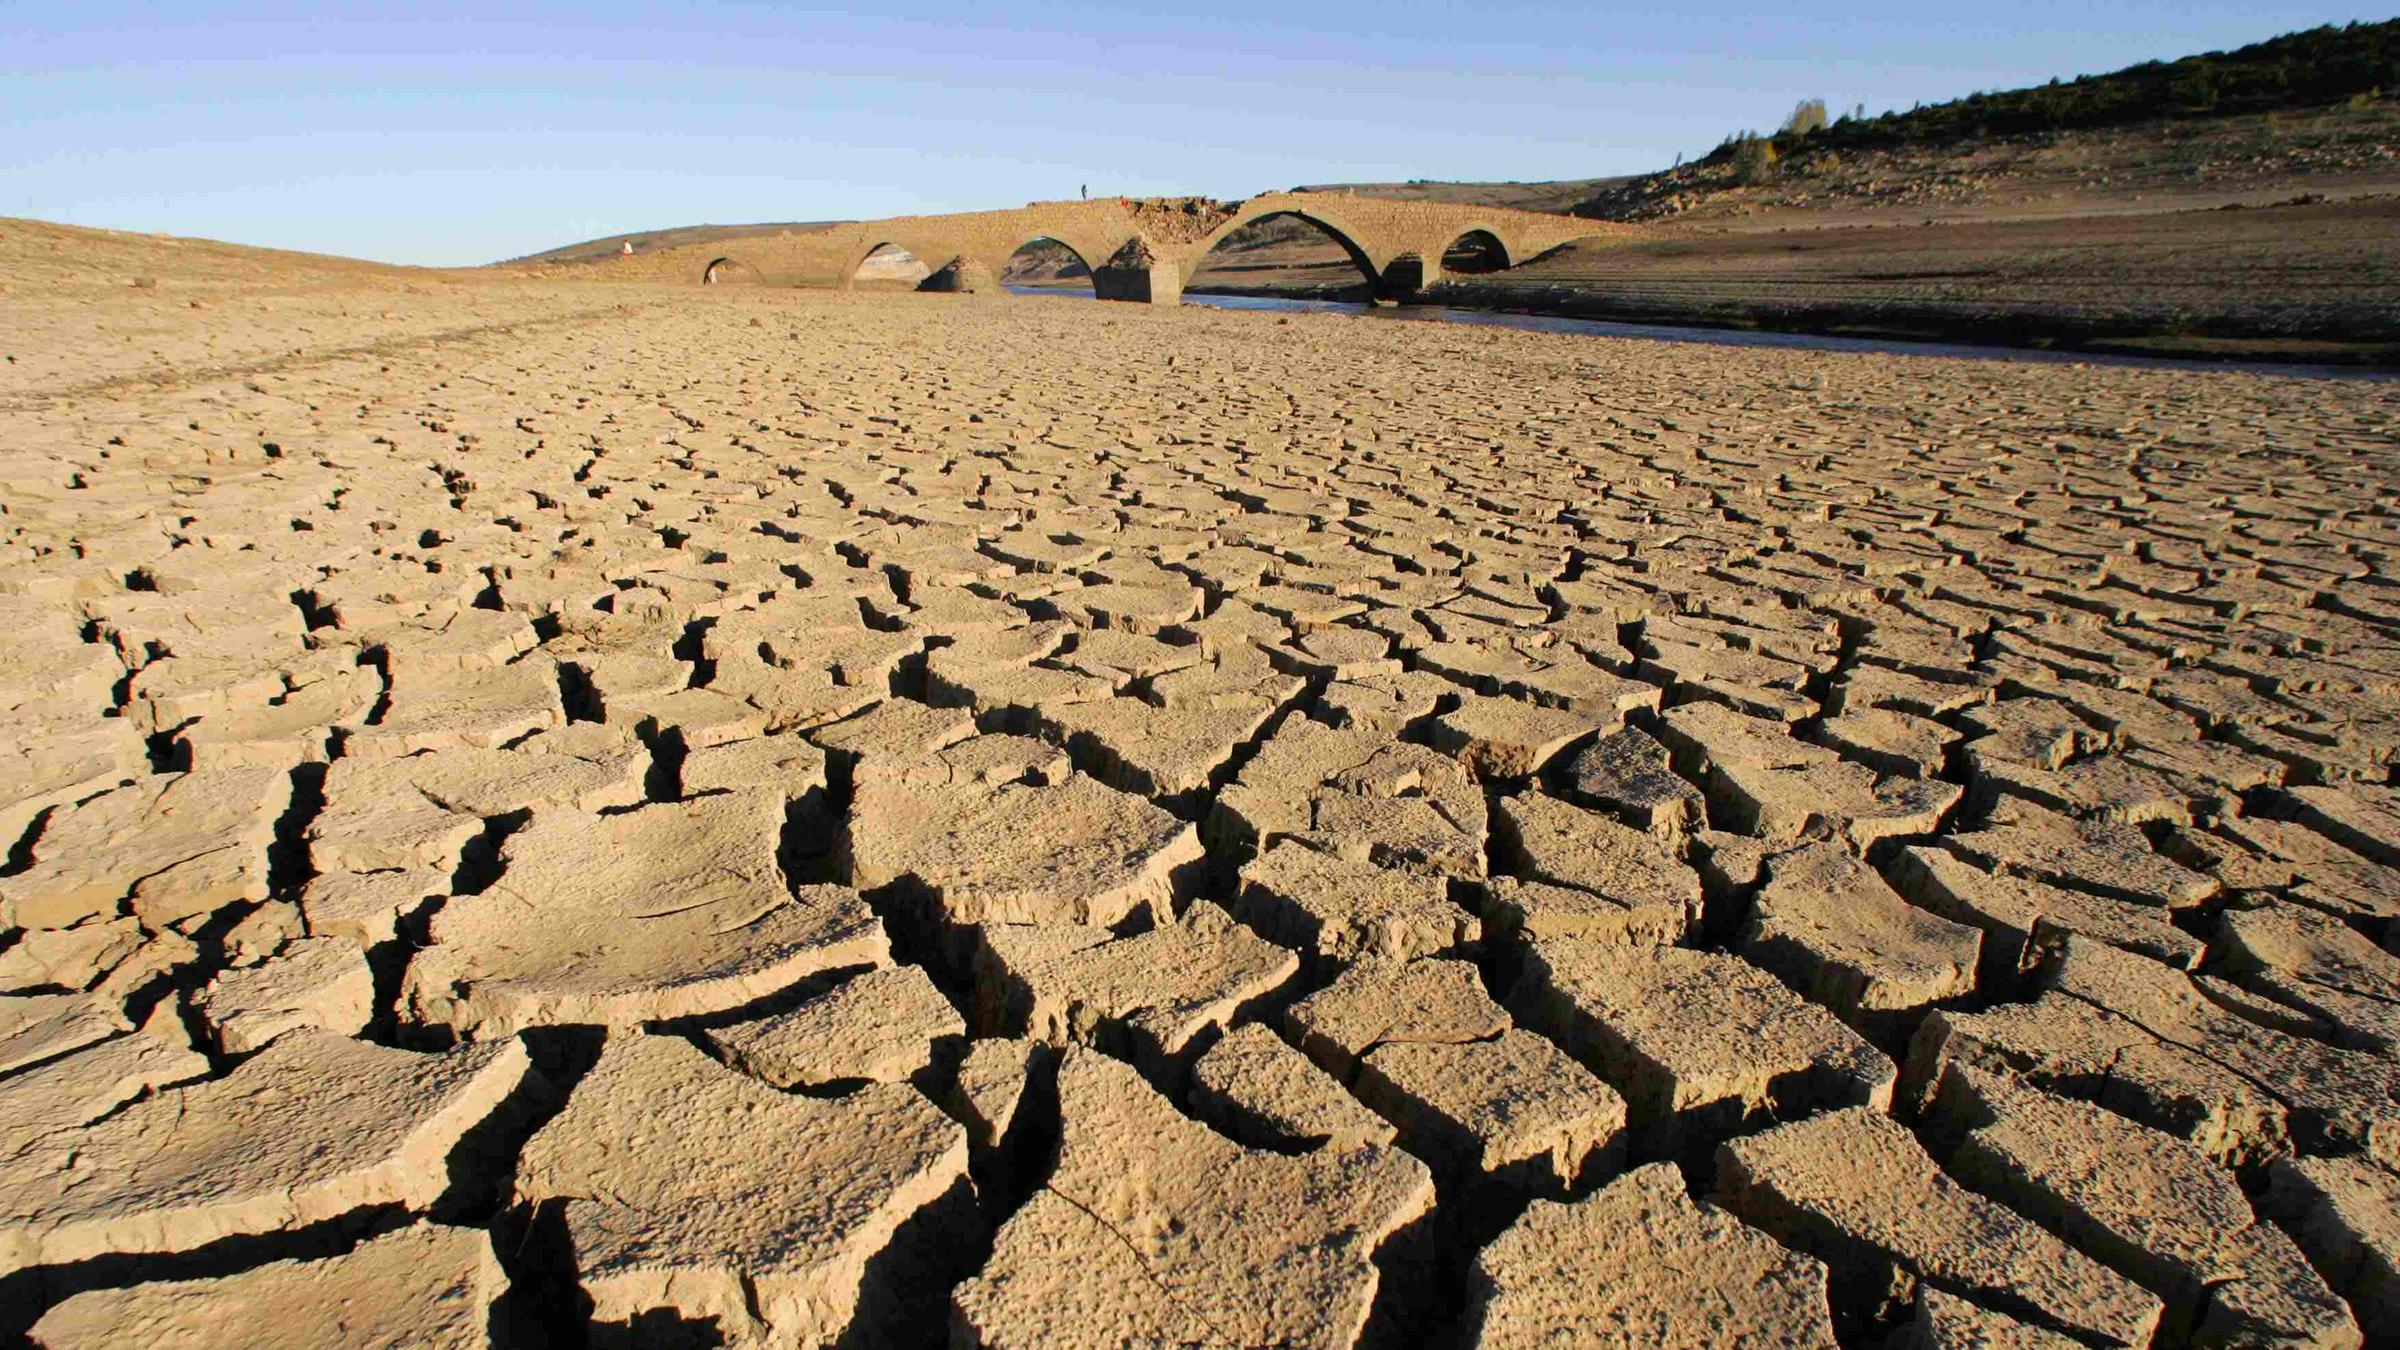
1753 160
1807 116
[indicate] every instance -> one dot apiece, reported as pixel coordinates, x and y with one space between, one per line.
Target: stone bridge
1141 250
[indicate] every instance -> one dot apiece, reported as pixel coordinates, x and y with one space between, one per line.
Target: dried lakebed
658 817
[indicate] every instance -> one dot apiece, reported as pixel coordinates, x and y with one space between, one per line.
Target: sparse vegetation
2336 64
1753 159
1807 116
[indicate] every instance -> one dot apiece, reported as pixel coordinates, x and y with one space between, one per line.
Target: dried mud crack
803 820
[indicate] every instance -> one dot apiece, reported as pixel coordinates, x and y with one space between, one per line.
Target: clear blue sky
420 134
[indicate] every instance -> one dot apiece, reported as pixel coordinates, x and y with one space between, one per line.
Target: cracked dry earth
548 816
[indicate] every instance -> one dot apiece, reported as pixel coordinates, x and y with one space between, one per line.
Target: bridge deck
1137 249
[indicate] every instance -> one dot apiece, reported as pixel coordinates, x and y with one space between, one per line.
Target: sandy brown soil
93 308
782 819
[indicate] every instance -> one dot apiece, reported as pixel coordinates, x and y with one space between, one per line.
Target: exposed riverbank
1775 339
2310 282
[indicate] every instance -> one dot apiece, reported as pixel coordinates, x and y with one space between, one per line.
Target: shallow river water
1734 337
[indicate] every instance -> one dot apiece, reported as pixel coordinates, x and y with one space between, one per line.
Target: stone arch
729 270
860 257
1481 243
1089 262
1369 264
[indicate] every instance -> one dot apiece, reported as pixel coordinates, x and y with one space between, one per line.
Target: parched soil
732 816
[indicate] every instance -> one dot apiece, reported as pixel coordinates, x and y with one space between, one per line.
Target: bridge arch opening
1050 266
1475 251
1286 254
729 271
889 266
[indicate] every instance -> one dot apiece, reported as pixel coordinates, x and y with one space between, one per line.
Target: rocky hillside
2310 112
2315 68
2250 160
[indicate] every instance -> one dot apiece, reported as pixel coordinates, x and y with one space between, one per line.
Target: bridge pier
1136 273
1404 276
1150 283
963 276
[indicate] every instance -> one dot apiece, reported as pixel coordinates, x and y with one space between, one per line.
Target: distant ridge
646 241
2313 68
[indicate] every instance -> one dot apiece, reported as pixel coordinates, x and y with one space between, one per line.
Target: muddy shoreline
2313 282
2224 338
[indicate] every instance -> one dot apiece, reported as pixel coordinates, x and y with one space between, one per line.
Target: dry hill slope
645 241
